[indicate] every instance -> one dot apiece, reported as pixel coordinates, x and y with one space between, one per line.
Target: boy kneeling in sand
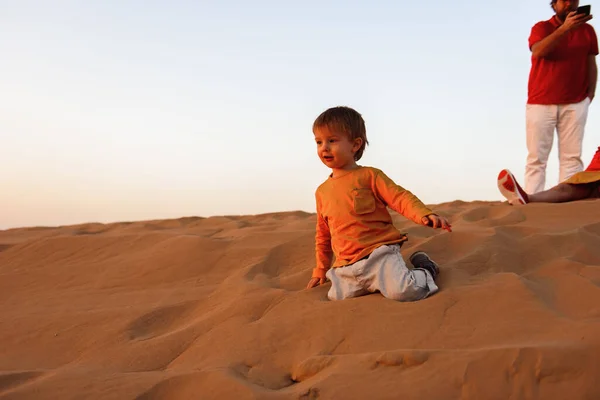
354 224
581 186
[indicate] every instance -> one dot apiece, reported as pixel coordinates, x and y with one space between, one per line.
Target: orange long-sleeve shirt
352 216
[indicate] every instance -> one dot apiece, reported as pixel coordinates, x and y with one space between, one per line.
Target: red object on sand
595 164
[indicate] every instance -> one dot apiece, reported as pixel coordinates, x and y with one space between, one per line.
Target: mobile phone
585 10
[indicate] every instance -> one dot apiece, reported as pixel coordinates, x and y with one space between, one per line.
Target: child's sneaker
510 188
421 260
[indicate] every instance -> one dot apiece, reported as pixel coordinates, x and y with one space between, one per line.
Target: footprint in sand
160 321
12 380
5 247
311 367
283 259
396 359
264 375
592 228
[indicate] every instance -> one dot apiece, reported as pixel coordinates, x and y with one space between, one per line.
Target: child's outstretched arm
407 204
435 221
323 251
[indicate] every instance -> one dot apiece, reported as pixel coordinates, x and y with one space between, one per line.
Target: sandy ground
215 308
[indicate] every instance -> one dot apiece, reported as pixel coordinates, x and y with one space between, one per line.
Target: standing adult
562 84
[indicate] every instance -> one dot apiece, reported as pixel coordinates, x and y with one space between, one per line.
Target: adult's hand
574 20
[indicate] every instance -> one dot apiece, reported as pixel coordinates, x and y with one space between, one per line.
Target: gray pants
384 271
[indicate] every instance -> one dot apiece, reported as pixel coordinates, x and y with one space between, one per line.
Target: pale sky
127 110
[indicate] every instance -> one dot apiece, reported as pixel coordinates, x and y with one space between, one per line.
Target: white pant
384 271
569 121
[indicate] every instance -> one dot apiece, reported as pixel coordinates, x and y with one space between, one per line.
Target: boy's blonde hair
347 121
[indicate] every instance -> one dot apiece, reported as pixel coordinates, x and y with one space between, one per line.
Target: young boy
354 224
581 186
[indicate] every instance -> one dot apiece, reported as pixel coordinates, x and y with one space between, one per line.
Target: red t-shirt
562 76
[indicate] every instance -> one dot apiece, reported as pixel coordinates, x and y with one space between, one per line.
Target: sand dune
215 308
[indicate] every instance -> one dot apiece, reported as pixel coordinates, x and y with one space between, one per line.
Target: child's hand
435 221
314 282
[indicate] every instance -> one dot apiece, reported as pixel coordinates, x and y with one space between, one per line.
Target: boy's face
336 150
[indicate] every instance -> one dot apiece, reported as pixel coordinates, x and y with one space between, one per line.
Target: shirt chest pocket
364 201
